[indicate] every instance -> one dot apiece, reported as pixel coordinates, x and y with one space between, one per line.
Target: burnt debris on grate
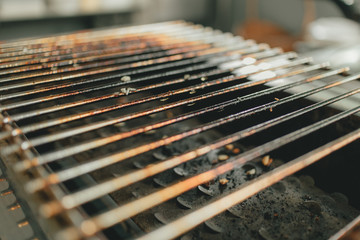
192 133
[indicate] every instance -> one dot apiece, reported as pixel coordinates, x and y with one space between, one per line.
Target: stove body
173 130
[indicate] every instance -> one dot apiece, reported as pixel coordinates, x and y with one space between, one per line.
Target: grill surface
181 125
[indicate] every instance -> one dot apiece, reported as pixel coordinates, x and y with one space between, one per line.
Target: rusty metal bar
50 43
172 47
196 76
202 39
136 46
174 59
350 232
97 125
97 143
107 219
76 199
96 164
108 66
247 190
66 42
93 61
53 122
196 65
142 44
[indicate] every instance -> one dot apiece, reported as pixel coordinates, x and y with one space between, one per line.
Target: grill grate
112 96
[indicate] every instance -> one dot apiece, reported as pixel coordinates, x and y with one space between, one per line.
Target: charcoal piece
184 202
313 207
205 190
180 171
213 226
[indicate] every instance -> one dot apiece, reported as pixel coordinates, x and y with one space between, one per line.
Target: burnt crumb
54 68
223 157
125 79
126 91
223 181
236 151
266 161
229 147
251 173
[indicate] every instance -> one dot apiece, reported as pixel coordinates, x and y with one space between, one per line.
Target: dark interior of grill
313 203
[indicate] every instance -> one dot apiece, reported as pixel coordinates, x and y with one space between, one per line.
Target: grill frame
57 191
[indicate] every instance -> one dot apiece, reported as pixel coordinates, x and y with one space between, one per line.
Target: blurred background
325 29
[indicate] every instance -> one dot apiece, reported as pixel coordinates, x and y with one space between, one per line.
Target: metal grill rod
150 65
41 125
109 67
259 57
212 39
92 126
188 222
65 119
93 36
107 219
110 44
348 228
50 97
84 51
196 76
93 61
204 41
76 199
106 140
140 45
60 43
99 163
181 63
